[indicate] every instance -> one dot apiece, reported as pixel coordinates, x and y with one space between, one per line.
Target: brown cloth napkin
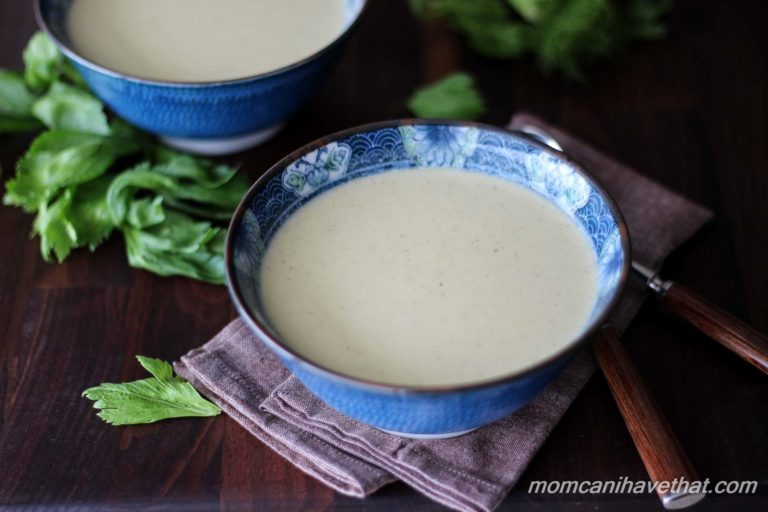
468 473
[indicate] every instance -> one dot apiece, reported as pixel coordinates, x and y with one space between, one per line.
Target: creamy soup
202 40
428 277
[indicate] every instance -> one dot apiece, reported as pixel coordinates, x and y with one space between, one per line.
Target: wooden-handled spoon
729 331
659 449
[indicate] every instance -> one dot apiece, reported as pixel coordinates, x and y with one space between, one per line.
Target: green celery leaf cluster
16 102
160 397
564 35
86 176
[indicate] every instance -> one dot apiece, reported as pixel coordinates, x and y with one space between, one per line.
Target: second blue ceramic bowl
396 147
209 118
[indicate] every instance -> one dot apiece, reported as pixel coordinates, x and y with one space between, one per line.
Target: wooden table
690 111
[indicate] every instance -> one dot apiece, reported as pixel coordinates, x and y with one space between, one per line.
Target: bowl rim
279 346
71 53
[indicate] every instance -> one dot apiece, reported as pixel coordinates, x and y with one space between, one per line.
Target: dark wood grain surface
690 111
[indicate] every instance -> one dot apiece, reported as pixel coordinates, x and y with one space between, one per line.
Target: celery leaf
160 397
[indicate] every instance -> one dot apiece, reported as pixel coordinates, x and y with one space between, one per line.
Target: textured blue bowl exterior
398 147
210 110
423 412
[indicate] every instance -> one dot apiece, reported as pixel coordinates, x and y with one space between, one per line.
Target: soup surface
428 277
202 40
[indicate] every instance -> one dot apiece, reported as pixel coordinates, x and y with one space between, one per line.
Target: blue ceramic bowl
396 147
204 117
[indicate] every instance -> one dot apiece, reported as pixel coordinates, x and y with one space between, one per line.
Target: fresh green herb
178 245
42 61
160 397
16 102
74 177
532 10
66 107
59 158
79 217
186 186
564 35
453 97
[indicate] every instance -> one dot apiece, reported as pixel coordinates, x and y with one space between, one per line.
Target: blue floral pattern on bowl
317 169
431 146
397 147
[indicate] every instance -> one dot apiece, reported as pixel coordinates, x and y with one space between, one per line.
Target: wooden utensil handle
662 455
735 335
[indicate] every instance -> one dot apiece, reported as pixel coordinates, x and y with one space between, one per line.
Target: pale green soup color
202 40
428 277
